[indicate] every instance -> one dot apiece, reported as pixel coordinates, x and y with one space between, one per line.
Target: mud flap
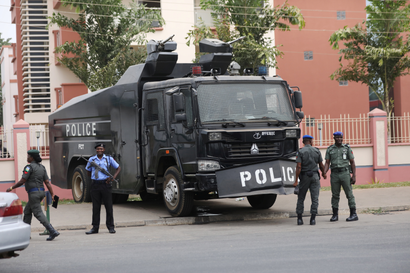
263 178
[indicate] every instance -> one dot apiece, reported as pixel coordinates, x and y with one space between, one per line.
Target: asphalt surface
134 213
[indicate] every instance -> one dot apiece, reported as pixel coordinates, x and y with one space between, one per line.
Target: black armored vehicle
183 131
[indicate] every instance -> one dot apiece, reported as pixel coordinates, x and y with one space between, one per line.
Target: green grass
376 185
378 211
60 202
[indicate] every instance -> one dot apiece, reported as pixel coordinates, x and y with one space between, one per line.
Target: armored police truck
183 131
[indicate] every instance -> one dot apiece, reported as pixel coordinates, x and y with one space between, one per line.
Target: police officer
34 175
338 156
101 190
307 161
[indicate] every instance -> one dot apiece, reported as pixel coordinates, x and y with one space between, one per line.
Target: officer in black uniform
34 175
101 189
307 171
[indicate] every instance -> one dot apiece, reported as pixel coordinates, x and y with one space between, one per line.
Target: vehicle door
129 148
181 124
154 134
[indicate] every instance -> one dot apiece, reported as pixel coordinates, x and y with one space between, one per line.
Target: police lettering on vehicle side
80 129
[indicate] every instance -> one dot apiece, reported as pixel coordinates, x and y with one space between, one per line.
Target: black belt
98 181
339 170
35 189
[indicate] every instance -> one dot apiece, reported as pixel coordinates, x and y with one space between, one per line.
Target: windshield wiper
278 121
229 122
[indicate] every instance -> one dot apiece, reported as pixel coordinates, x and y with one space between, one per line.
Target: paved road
376 243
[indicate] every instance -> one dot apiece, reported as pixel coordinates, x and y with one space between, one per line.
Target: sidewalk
78 216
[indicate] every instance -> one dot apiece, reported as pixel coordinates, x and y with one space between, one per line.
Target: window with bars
310 122
308 55
343 83
341 15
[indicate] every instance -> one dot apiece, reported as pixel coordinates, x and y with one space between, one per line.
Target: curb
206 219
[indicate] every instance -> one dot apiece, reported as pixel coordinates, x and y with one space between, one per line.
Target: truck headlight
214 136
291 133
208 165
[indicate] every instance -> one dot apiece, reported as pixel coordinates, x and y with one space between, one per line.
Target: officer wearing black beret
34 175
307 161
338 157
101 190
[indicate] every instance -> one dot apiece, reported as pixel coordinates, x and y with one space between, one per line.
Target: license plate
258 178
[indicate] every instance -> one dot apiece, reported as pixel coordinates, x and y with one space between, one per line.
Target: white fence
355 130
7 146
39 139
400 129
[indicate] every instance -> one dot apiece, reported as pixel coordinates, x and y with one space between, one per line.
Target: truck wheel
178 202
81 185
264 201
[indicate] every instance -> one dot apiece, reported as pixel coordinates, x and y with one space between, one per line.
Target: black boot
312 220
335 215
53 233
300 220
353 215
92 231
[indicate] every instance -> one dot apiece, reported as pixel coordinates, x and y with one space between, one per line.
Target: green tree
252 19
375 52
2 43
107 28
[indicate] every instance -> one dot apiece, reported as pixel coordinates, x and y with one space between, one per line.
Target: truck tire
264 201
178 202
81 185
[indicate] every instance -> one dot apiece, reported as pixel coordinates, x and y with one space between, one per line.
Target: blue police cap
307 136
338 133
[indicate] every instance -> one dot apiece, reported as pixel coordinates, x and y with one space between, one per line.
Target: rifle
95 165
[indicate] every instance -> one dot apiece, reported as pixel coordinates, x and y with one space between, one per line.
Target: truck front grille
264 148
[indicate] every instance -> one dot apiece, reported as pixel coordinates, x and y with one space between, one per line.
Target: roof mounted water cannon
161 59
220 53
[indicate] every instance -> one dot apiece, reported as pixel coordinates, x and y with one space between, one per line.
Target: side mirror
179 105
300 114
297 98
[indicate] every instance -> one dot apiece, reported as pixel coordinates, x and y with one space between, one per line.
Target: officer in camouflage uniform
34 175
307 171
338 156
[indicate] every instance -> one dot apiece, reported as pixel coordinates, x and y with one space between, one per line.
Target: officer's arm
353 165
298 170
15 186
326 168
322 169
115 175
50 189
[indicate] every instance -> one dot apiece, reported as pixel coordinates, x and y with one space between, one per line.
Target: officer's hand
295 184
8 190
324 175
108 180
353 180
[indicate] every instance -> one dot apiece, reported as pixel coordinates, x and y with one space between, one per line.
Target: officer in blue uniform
34 175
307 161
339 156
101 189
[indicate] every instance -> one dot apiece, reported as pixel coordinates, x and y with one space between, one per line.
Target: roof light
262 70
248 71
196 70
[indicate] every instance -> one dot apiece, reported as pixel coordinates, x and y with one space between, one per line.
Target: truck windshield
241 102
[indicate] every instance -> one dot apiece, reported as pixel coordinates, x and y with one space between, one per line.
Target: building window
343 83
152 4
341 15
308 55
310 122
